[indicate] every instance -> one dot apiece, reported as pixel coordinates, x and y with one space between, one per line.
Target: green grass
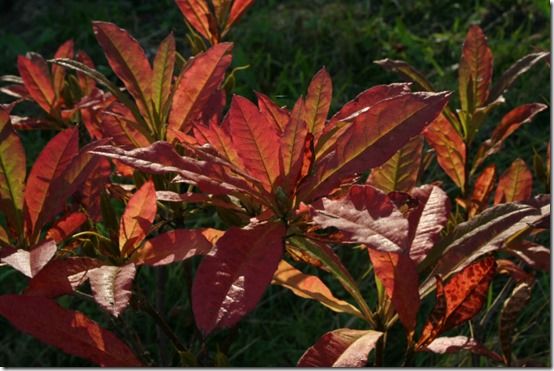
285 43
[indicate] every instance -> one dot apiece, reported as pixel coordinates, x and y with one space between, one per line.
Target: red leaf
37 80
128 61
317 103
61 276
427 220
87 84
197 14
464 296
511 122
279 116
482 190
31 262
475 72
111 286
516 184
399 276
372 138
341 348
50 164
368 98
512 307
255 139
292 148
12 172
508 267
534 255
449 147
93 187
196 84
401 171
172 246
365 215
65 226
237 10
233 277
137 219
162 77
454 344
58 72
71 331
119 125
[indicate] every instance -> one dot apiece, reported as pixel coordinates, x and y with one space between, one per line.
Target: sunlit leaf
515 184
341 348
111 286
233 277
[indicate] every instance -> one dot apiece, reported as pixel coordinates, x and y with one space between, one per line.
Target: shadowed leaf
68 330
516 184
61 276
65 226
401 171
512 307
38 82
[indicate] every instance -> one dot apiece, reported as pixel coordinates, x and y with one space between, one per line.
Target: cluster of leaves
290 186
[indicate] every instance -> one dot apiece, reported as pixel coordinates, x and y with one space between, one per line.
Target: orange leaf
65 226
310 287
197 14
137 219
195 86
399 276
256 140
449 147
237 10
516 184
482 190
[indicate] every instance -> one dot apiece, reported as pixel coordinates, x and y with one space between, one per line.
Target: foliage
286 186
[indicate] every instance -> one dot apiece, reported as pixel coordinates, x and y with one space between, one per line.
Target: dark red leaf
71 331
233 277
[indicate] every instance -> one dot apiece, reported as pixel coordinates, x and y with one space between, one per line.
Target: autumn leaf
310 287
475 71
515 184
341 348
449 148
112 286
233 277
68 330
137 219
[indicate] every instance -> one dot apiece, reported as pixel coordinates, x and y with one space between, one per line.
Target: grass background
285 43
